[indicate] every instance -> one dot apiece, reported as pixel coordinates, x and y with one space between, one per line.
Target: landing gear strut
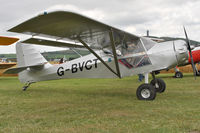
148 91
158 83
26 86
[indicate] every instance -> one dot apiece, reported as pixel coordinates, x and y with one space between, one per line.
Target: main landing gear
148 91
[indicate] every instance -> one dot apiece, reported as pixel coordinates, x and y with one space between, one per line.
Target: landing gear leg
146 91
26 86
146 78
158 83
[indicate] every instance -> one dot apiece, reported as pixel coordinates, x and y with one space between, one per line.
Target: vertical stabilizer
30 61
27 55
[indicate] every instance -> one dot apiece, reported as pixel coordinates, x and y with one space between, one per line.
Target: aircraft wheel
178 75
160 86
146 92
24 88
198 73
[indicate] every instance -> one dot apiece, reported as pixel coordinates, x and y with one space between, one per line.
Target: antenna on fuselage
147 33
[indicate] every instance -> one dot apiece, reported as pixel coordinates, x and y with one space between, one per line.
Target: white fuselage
162 56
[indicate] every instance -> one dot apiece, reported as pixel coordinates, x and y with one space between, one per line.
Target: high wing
7 40
67 25
89 33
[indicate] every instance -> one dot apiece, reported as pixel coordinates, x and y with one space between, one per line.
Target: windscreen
130 50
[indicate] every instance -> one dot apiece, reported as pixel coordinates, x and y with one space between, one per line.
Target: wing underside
52 43
90 34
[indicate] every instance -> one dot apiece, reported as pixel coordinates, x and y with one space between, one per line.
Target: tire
198 73
160 87
178 75
146 92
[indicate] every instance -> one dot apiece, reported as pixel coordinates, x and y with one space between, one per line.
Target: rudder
27 55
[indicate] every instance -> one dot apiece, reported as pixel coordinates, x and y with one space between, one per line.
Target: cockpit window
133 53
131 50
148 43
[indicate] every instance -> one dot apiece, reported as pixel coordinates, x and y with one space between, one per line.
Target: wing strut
92 51
114 53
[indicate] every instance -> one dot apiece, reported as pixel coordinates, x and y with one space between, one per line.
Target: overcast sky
161 17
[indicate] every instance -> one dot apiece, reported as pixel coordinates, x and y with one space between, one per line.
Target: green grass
98 105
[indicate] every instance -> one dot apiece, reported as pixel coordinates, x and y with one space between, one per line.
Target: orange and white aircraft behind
4 41
7 40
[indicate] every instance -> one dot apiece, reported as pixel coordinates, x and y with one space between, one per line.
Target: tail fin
27 56
29 61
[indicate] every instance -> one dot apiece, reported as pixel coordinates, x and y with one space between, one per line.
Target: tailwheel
178 75
159 85
26 86
146 92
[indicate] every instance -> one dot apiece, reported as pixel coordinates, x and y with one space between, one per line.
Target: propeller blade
190 52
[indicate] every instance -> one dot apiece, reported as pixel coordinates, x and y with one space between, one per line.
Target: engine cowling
181 51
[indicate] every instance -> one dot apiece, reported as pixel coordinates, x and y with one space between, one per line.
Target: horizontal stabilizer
52 43
15 70
6 65
20 69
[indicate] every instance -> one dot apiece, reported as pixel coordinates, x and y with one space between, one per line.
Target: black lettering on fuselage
86 65
74 68
95 63
60 71
67 69
81 66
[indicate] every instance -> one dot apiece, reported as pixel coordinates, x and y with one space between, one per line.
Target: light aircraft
196 58
4 41
114 52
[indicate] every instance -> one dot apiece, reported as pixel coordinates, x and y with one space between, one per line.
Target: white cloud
162 18
94 13
130 29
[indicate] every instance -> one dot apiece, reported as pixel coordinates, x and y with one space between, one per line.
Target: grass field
99 105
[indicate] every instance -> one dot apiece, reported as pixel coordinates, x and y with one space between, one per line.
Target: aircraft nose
195 55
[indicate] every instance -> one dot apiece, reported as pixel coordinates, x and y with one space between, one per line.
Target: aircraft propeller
190 52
